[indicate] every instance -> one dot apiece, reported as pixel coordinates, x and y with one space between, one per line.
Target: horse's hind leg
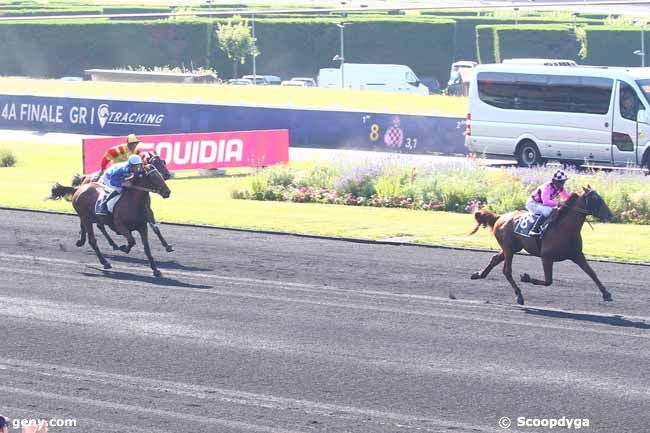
581 261
93 243
548 274
496 259
507 271
82 236
112 243
144 235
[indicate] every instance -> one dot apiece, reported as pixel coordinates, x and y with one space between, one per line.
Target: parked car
264 80
293 83
309 82
240 82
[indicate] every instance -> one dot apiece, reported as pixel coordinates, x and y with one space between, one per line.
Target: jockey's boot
103 209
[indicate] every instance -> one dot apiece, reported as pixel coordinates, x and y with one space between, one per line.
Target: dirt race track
270 333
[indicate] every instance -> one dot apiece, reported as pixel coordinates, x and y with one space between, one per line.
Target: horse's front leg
548 274
507 271
129 238
154 226
144 235
581 261
496 259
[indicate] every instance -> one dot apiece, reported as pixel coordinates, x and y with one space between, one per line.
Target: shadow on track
615 320
125 276
169 264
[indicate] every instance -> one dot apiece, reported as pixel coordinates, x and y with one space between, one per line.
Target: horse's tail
77 179
59 191
484 218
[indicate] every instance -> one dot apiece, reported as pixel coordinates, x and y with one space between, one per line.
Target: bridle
147 172
585 212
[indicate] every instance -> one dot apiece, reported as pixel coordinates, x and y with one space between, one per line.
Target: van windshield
645 86
412 79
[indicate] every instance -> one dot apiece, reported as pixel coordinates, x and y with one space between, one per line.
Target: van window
411 78
628 102
569 94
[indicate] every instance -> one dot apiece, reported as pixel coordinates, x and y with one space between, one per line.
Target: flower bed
459 186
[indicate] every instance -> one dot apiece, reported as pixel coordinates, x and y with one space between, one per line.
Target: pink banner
201 151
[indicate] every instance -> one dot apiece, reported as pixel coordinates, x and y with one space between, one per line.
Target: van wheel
528 154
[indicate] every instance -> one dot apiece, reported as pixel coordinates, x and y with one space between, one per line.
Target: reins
141 188
582 211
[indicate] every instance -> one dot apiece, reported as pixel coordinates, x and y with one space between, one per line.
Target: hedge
50 12
614 46
466 47
303 46
59 48
547 42
485 44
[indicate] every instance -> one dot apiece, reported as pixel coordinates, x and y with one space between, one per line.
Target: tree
235 39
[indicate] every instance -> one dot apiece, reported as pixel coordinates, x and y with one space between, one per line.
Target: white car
294 83
309 82
240 82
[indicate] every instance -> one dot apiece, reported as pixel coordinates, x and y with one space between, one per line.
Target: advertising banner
328 129
201 150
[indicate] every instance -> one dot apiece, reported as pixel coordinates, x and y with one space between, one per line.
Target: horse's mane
567 205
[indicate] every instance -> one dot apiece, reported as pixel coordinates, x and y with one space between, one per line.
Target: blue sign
307 128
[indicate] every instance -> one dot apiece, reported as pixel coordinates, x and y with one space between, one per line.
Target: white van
383 78
571 114
545 62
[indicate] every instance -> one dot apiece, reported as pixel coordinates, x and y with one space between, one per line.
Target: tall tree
235 39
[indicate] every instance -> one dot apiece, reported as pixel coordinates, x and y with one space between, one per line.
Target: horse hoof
157 273
169 248
525 278
475 276
80 243
115 247
124 249
107 265
520 300
607 297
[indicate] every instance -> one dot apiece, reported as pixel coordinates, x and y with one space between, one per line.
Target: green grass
207 201
258 96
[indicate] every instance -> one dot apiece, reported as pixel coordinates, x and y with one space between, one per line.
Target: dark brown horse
149 158
562 241
129 213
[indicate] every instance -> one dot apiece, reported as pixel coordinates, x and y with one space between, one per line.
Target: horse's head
161 165
595 204
151 178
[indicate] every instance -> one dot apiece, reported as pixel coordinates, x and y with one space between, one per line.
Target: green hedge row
614 46
485 44
302 47
541 41
466 43
53 49
50 12
603 45
288 47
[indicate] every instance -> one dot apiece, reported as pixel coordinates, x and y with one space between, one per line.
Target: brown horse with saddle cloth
129 213
560 242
